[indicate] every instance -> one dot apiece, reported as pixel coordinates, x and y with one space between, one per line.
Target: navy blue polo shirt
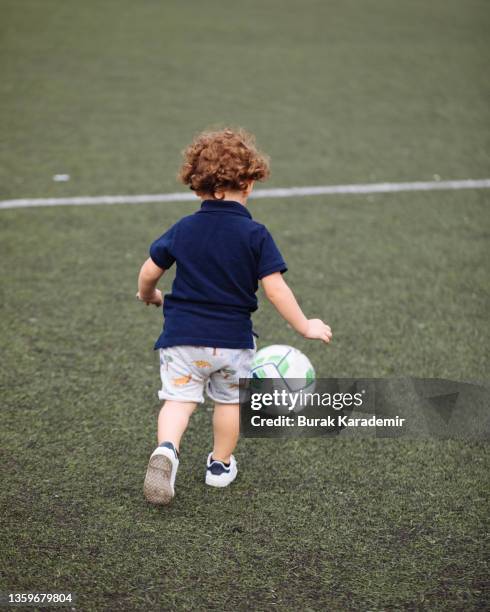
221 253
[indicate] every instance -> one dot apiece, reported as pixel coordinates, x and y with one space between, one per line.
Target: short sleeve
270 258
161 251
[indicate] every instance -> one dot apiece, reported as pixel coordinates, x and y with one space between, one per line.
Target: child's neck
235 196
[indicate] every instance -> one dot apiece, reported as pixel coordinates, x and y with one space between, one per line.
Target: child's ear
250 187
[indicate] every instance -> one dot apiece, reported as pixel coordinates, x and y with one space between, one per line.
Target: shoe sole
157 488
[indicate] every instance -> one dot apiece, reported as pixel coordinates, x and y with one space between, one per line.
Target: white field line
286 192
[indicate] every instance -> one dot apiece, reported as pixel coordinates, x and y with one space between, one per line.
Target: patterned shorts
186 370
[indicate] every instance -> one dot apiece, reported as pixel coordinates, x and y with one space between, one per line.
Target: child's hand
155 299
316 329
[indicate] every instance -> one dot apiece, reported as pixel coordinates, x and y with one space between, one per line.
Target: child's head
222 161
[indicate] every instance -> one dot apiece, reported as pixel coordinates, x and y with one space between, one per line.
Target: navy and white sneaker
160 475
218 474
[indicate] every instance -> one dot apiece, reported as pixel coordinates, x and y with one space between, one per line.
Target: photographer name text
327 421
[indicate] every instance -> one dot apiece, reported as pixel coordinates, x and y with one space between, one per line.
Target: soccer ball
289 369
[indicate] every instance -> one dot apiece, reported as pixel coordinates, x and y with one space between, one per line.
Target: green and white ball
290 369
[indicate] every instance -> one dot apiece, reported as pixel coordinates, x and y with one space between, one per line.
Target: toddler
207 342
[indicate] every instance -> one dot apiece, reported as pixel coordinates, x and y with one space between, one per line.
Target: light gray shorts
186 370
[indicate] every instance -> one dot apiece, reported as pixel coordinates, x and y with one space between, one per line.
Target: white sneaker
218 474
160 475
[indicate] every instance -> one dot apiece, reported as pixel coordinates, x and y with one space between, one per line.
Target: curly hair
224 160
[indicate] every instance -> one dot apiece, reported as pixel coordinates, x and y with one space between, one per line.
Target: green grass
337 92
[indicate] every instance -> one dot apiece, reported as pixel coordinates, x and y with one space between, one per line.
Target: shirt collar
221 206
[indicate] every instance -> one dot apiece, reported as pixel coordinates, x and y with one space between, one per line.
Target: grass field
337 92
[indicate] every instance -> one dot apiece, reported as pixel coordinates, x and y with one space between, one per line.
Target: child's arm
148 278
281 296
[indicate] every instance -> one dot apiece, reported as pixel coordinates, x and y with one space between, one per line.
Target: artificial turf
336 93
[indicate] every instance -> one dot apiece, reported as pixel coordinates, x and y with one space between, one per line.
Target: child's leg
173 420
226 428
164 461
